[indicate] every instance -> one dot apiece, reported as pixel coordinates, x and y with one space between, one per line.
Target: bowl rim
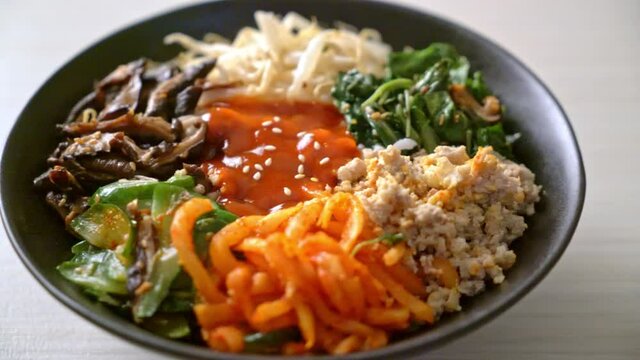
411 346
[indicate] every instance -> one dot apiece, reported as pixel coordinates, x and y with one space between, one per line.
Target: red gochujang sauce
273 154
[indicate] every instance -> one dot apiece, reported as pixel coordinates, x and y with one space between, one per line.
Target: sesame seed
301 157
276 130
300 169
257 176
246 169
276 118
267 123
299 176
300 134
324 160
316 145
269 147
287 191
314 179
268 162
258 167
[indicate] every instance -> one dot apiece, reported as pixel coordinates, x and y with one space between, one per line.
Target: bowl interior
547 146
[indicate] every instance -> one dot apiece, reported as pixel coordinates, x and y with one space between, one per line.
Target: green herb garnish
386 239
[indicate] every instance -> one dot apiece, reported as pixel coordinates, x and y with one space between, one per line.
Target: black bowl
548 146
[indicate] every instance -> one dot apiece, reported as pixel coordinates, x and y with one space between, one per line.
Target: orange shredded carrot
270 223
354 225
349 344
261 283
408 279
226 338
216 314
334 228
302 221
394 255
182 239
269 310
306 319
294 348
239 289
281 322
421 310
448 274
355 293
219 250
376 340
296 269
388 317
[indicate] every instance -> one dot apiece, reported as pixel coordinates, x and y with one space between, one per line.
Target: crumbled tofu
446 204
353 170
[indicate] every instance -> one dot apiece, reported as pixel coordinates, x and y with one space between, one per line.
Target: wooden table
586 51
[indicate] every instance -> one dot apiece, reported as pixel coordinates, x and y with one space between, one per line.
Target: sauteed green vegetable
125 257
428 96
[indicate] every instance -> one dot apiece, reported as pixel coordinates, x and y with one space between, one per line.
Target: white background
588 52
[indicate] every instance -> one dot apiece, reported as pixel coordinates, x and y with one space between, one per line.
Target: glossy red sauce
250 131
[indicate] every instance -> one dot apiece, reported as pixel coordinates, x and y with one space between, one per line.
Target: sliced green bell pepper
172 326
96 270
165 198
121 193
207 224
164 268
103 225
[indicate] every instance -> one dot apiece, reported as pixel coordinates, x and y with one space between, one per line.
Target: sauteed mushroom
138 120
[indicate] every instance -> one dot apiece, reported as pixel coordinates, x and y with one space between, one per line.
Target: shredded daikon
290 57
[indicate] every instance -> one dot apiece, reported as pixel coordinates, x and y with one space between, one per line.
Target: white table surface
586 51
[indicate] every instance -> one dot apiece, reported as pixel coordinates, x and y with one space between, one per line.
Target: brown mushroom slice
109 164
199 70
126 100
99 158
91 145
159 72
59 179
490 112
91 100
194 130
104 157
199 176
187 100
67 207
151 77
162 99
159 103
121 74
134 125
90 178
59 203
97 98
192 134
